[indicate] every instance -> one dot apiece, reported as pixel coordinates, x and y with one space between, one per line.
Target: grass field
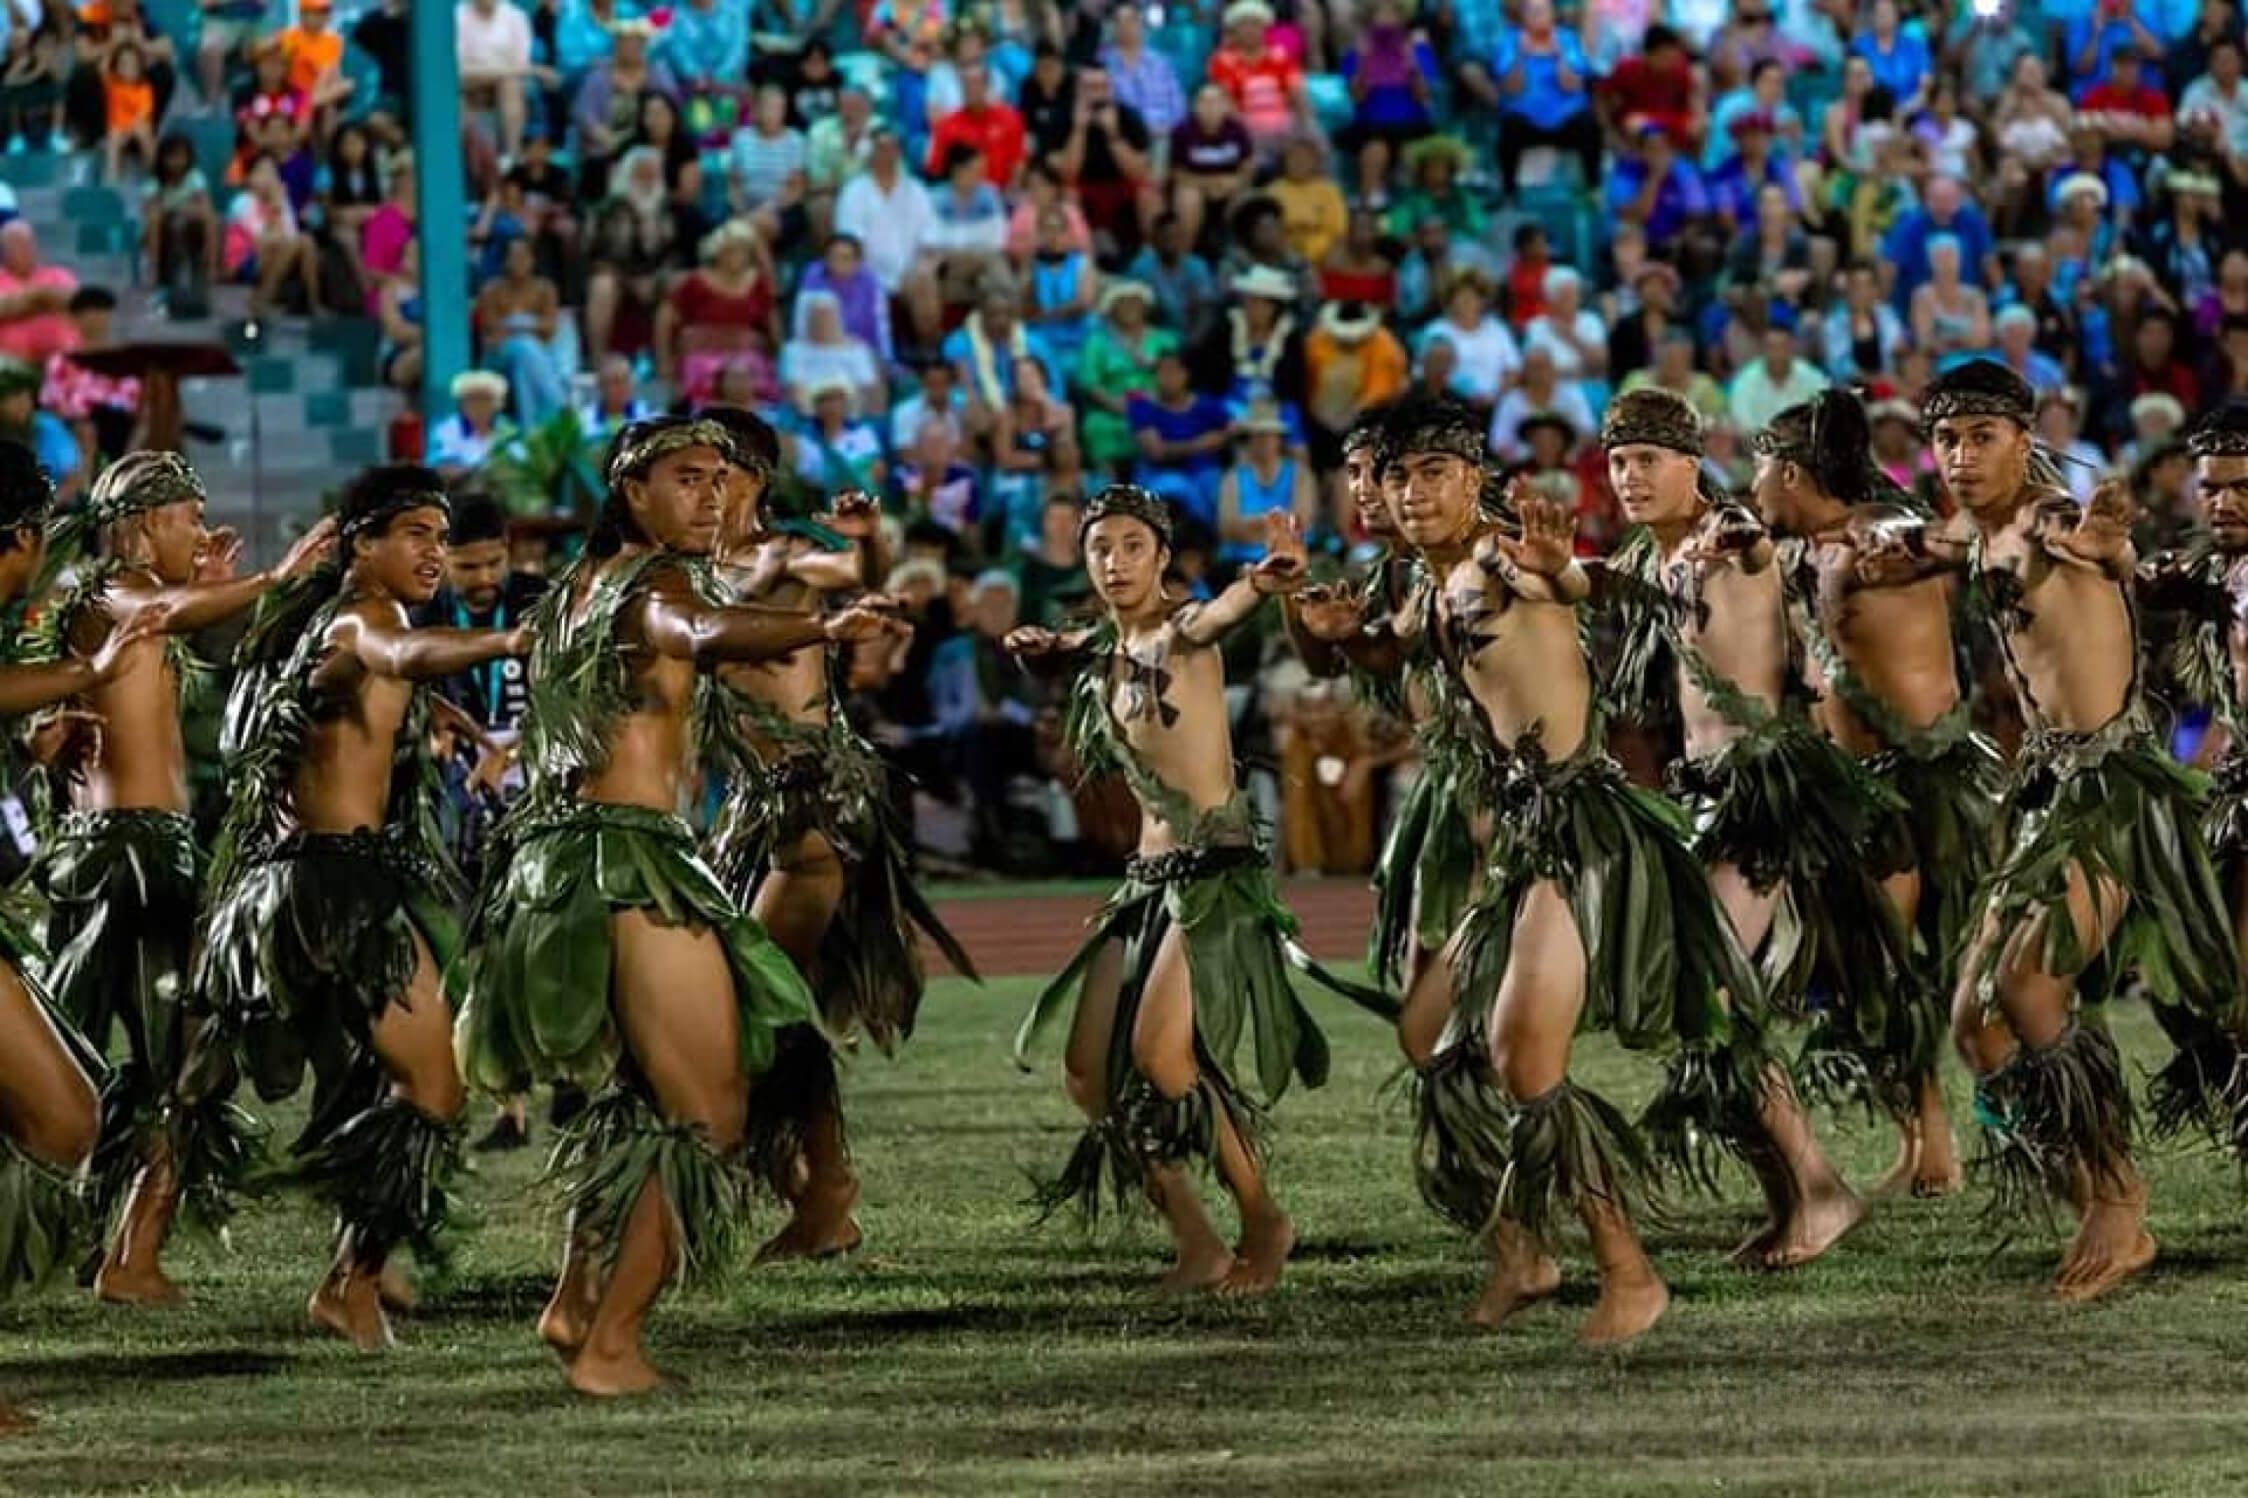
965 1353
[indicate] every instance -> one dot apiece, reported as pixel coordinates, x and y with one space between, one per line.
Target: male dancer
1593 912
2104 869
1194 949
122 872
47 1098
609 952
333 922
1877 623
1782 815
808 844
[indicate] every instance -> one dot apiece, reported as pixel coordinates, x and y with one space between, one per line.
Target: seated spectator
1674 370
1312 212
1051 574
1948 315
270 113
129 104
1542 393
606 111
1182 436
1488 358
1771 256
1898 55
104 26
1433 166
986 709
966 239
1256 350
1265 83
179 223
1656 289
1109 157
313 50
1764 94
2154 367
1392 74
266 248
1212 159
1260 245
1351 364
823 351
398 311
841 272
392 226
935 485
22 421
983 352
1030 430
2059 413
633 242
2030 123
1118 364
102 411
1570 331
1059 294
1265 479
765 166
1948 140
1545 93
1042 194
517 316
909 32
2096 36
838 450
888 211
1773 383
466 440
2058 332
1863 333
33 68
724 312
493 41
1656 187
706 44
1183 285
230 29
1047 100
966 48
35 320
1359 267
1947 211
988 126
663 129
837 148
2214 107
939 401
1144 79
616 402
815 87
1660 88
350 188
1743 176
586 33
2017 350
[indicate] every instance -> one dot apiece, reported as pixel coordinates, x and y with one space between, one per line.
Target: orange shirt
129 104
312 55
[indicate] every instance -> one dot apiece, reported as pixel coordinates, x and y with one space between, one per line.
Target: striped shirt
1150 86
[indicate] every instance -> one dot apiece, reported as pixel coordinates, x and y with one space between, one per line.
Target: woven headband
140 483
354 526
1652 418
1132 502
1448 431
633 461
2222 434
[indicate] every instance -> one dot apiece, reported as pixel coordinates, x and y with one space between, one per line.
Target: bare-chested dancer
1782 816
48 1104
2104 869
123 873
1876 621
1593 912
608 952
1192 955
333 918
1429 863
807 842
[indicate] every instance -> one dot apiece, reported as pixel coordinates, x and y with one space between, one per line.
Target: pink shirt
35 339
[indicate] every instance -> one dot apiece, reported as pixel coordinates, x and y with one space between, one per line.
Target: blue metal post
444 207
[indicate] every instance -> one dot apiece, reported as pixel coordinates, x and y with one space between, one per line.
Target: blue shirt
1731 190
53 445
956 354
580 41
1906 247
702 45
2113 33
1903 68
1204 414
1392 104
1543 101
1682 197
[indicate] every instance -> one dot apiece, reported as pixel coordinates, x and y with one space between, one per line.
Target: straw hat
2082 182
1265 283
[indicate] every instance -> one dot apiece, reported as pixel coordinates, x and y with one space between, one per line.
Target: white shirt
2201 97
1756 397
1568 403
1567 362
1488 356
498 43
890 226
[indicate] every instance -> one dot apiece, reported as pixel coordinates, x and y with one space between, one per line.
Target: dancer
1593 913
1192 953
2104 869
1783 817
1876 620
333 917
607 952
808 843
1428 867
122 873
47 1071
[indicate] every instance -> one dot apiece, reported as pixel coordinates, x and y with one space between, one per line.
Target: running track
1033 934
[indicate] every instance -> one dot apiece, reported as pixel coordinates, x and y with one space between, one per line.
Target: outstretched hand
872 617
1285 564
1727 534
1548 543
1031 643
220 554
1329 613
855 516
311 549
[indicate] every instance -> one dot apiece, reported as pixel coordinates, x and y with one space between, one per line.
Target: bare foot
562 1326
397 1291
1266 1241
1940 1173
2112 1244
1815 1225
1514 1286
351 1307
610 1378
1900 1177
131 1287
1629 1304
16 1421
1752 1250
1203 1264
821 1228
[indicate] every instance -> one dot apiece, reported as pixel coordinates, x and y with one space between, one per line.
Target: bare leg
576 1292
797 903
514 113
1812 1207
413 1038
1632 1296
601 292
675 1002
131 1272
47 1103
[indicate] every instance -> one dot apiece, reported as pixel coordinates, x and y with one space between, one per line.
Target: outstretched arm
1045 653
26 689
188 607
1896 551
387 646
679 624
2177 582
1281 571
1331 630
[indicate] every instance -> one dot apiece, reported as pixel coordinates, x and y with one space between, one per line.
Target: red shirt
1525 288
2146 101
1664 96
995 130
1263 88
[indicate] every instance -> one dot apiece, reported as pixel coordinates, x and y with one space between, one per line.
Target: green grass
967 1353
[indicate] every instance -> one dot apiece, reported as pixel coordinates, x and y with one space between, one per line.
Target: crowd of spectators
981 257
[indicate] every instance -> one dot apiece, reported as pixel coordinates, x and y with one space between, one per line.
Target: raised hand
1329 613
856 515
220 553
311 549
2102 533
1728 532
1548 543
65 737
1284 538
